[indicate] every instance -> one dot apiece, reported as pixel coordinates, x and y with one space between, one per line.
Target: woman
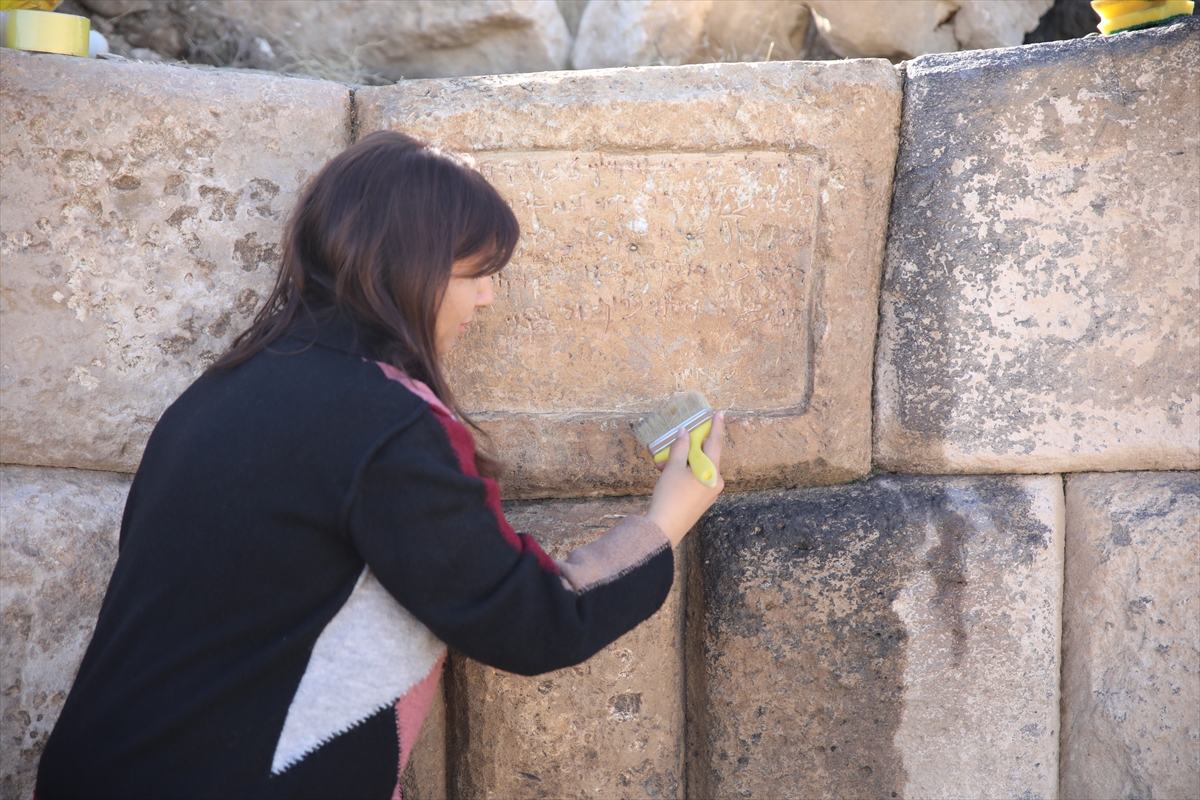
311 523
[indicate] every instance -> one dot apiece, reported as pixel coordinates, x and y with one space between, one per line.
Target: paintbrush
685 410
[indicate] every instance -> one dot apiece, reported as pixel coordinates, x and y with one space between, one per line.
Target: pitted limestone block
610 727
715 227
893 638
1131 636
1041 304
140 233
58 546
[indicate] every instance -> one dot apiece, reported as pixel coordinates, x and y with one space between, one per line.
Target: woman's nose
484 294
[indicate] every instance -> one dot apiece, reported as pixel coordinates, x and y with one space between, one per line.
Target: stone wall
957 555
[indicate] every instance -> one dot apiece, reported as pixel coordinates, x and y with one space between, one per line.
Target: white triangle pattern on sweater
368 656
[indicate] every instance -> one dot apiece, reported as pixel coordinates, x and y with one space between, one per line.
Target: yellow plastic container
46 32
1127 15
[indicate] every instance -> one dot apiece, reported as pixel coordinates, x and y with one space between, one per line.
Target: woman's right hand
680 499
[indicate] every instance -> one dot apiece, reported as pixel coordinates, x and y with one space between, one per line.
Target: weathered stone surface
425 776
58 545
610 727
140 233
1131 636
752 30
1041 305
619 33
883 28
637 33
416 38
897 637
715 227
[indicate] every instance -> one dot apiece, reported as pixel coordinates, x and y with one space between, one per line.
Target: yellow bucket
46 32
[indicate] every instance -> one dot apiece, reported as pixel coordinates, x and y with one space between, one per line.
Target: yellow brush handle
702 466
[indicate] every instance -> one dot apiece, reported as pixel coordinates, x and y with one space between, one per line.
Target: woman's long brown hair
375 235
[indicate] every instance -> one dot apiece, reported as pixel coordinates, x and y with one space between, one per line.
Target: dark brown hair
374 236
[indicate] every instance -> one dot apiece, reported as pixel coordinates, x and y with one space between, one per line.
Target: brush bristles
686 409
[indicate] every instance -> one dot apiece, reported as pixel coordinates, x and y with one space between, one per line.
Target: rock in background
1131 636
887 29
416 39
1066 19
356 41
622 33
618 33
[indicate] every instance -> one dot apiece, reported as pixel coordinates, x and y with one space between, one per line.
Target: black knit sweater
305 535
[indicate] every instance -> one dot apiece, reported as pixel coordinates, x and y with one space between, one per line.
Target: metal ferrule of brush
691 423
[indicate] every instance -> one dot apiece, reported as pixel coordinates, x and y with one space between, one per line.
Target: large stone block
1041 304
610 727
716 227
893 638
1131 636
58 546
140 233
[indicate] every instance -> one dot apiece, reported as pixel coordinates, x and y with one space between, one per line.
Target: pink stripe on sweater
411 710
464 447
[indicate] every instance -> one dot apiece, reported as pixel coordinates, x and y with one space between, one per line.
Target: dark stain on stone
947 561
246 302
179 342
252 255
223 203
219 327
176 185
625 706
764 593
262 192
127 182
183 214
801 584
177 220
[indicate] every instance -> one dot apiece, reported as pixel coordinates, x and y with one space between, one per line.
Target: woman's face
463 295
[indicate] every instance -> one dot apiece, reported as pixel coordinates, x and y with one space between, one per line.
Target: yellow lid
35 5
47 32
1124 15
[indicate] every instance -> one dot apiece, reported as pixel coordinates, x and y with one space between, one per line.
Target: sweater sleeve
433 533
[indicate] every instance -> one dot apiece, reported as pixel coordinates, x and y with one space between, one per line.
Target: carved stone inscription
646 274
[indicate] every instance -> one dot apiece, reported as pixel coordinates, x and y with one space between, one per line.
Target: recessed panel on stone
1041 303
610 727
140 234
58 547
897 637
1131 636
713 227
